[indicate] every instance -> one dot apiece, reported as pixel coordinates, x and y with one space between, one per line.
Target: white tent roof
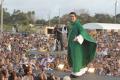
101 26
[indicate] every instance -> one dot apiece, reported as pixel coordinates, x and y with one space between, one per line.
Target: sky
45 8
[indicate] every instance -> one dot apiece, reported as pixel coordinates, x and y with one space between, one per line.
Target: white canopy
101 26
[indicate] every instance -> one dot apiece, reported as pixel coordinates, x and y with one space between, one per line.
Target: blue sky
43 8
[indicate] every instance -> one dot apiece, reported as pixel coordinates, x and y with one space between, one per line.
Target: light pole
59 16
1 16
115 11
49 17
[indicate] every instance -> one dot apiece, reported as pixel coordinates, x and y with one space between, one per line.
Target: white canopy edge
101 26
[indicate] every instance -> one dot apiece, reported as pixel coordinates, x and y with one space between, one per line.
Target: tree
31 16
55 20
117 18
6 16
85 18
64 19
104 18
41 21
19 17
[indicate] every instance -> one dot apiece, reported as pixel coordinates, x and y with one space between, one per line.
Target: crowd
16 62
107 61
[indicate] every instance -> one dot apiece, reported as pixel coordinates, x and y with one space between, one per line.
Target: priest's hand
79 39
75 39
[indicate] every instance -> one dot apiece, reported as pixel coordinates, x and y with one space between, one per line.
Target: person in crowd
28 73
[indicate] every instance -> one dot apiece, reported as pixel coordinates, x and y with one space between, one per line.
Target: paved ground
87 76
96 77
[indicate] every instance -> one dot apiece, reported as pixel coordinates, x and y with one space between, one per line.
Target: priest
81 47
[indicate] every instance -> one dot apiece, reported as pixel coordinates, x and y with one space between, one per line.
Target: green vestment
79 55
